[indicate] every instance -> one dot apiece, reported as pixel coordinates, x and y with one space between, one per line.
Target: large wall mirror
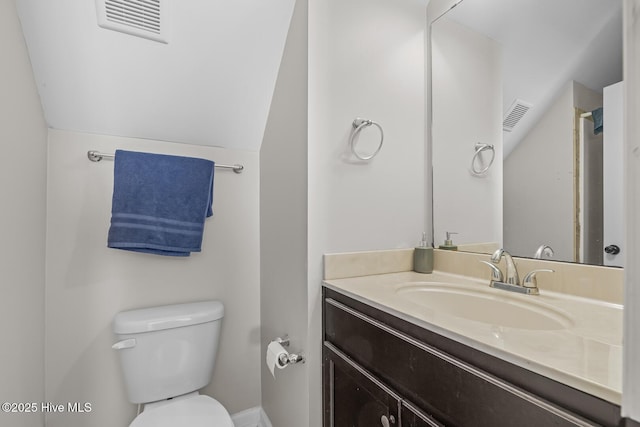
526 128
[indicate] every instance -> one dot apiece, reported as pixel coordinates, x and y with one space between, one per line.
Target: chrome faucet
512 271
543 250
529 285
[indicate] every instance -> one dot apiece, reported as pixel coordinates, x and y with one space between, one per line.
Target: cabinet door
354 398
413 417
454 392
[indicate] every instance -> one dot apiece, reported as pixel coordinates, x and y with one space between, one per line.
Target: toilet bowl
167 354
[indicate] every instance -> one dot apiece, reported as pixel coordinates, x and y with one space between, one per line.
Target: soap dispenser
448 243
423 257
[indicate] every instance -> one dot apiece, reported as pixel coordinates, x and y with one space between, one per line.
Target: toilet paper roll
274 351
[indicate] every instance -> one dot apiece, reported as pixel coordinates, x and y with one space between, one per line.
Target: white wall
631 368
366 59
211 84
22 225
467 109
88 283
283 230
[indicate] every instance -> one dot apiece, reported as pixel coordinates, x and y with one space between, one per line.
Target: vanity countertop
586 354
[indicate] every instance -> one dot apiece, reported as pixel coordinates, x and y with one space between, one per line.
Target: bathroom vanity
389 360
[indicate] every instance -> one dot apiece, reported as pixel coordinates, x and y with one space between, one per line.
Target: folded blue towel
160 203
597 120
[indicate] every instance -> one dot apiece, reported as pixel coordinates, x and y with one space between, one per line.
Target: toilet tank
167 351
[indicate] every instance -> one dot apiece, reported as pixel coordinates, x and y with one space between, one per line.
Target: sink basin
494 307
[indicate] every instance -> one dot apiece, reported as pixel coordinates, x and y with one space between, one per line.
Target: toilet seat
196 411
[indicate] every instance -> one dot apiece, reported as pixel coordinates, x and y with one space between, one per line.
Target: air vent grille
142 18
136 13
514 114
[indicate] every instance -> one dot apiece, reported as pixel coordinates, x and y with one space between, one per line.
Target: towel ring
480 147
359 124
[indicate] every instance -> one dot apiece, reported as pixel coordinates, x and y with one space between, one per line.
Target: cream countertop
586 355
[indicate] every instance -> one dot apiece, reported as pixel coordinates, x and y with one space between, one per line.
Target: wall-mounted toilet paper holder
289 358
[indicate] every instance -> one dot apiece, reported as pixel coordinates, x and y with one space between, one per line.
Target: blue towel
160 203
597 120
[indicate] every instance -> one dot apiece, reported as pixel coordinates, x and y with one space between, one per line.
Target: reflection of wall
539 180
467 106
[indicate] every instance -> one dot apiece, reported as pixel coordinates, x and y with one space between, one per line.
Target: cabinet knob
387 421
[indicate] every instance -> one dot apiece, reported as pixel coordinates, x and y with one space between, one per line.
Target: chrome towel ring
480 147
359 124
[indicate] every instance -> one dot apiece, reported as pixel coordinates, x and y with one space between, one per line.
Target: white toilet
167 354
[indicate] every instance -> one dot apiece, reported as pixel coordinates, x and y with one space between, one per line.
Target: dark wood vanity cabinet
379 370
356 398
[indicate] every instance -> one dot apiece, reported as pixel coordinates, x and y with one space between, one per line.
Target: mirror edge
436 9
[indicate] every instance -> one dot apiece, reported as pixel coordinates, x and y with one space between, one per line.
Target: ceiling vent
142 18
514 114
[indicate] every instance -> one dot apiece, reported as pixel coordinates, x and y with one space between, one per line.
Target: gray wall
283 228
22 225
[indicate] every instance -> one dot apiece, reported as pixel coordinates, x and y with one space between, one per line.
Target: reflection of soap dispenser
448 243
423 257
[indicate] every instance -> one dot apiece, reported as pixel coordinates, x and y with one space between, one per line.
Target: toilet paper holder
289 358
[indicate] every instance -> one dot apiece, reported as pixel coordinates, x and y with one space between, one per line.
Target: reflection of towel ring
359 124
480 147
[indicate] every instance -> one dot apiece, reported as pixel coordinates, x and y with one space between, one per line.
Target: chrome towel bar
96 156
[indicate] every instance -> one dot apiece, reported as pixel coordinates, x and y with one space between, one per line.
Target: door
354 397
613 180
413 417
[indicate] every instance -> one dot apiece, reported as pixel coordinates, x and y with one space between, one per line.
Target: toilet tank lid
167 317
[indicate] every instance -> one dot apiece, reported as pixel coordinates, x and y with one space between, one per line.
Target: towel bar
480 147
96 156
359 124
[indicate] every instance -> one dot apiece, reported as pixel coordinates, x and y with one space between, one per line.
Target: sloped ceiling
547 43
211 84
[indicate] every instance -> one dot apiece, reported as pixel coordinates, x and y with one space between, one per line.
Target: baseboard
253 417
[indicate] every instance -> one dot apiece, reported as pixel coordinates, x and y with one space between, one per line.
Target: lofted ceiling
547 43
211 84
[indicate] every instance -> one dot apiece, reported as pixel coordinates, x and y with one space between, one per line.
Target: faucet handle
530 280
496 274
